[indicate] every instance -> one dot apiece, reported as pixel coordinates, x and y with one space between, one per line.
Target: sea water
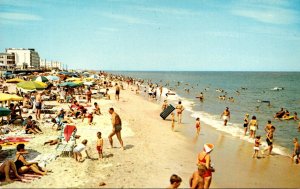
248 90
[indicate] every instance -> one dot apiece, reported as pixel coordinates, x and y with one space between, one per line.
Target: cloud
277 13
13 16
125 18
173 11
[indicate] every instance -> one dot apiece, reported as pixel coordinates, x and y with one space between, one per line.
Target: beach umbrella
15 80
78 82
10 97
42 83
52 78
70 84
4 111
94 76
73 79
89 83
31 85
41 78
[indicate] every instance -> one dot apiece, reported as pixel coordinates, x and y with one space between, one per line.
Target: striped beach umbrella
41 79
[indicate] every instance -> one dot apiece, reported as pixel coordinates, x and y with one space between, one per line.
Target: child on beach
197 179
173 120
256 146
100 145
198 125
175 181
78 149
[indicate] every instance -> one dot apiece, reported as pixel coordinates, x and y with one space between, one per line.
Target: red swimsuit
208 172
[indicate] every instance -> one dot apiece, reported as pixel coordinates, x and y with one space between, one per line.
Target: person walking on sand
117 127
164 105
99 145
117 92
172 121
160 91
198 125
253 125
179 109
296 151
256 146
226 116
246 123
38 105
88 95
204 159
175 181
197 178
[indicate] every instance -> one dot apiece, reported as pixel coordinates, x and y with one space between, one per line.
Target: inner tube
289 118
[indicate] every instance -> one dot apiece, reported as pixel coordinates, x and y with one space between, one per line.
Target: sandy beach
153 153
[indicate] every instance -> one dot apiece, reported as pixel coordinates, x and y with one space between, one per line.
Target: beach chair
67 136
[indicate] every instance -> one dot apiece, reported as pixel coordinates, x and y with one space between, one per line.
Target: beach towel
10 140
28 177
68 131
44 159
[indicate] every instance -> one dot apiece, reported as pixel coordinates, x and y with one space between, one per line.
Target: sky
157 35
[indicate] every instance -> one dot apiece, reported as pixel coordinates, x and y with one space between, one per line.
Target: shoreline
153 153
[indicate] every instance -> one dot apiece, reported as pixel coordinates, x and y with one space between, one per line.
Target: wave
233 129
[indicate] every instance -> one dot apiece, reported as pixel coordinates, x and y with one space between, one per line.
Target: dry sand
153 152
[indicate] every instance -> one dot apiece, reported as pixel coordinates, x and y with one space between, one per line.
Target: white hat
208 147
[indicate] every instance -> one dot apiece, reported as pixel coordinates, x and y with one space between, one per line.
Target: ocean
248 89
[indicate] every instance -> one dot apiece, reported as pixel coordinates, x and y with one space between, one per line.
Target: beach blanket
28 177
44 159
68 131
13 140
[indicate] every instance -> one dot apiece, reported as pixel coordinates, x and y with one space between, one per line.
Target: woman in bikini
179 109
253 126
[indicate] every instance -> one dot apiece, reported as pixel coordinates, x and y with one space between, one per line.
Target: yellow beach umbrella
41 83
73 79
89 79
15 80
10 97
78 82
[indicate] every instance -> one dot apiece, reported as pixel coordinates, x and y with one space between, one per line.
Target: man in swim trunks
269 139
38 105
226 116
117 127
117 92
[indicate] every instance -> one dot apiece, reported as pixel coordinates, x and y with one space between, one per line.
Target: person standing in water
226 116
253 124
246 123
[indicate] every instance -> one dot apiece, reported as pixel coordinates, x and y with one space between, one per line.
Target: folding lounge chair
67 140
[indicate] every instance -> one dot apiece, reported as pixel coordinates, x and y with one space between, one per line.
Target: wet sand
153 153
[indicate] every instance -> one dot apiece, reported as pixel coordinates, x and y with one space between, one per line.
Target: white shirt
79 148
